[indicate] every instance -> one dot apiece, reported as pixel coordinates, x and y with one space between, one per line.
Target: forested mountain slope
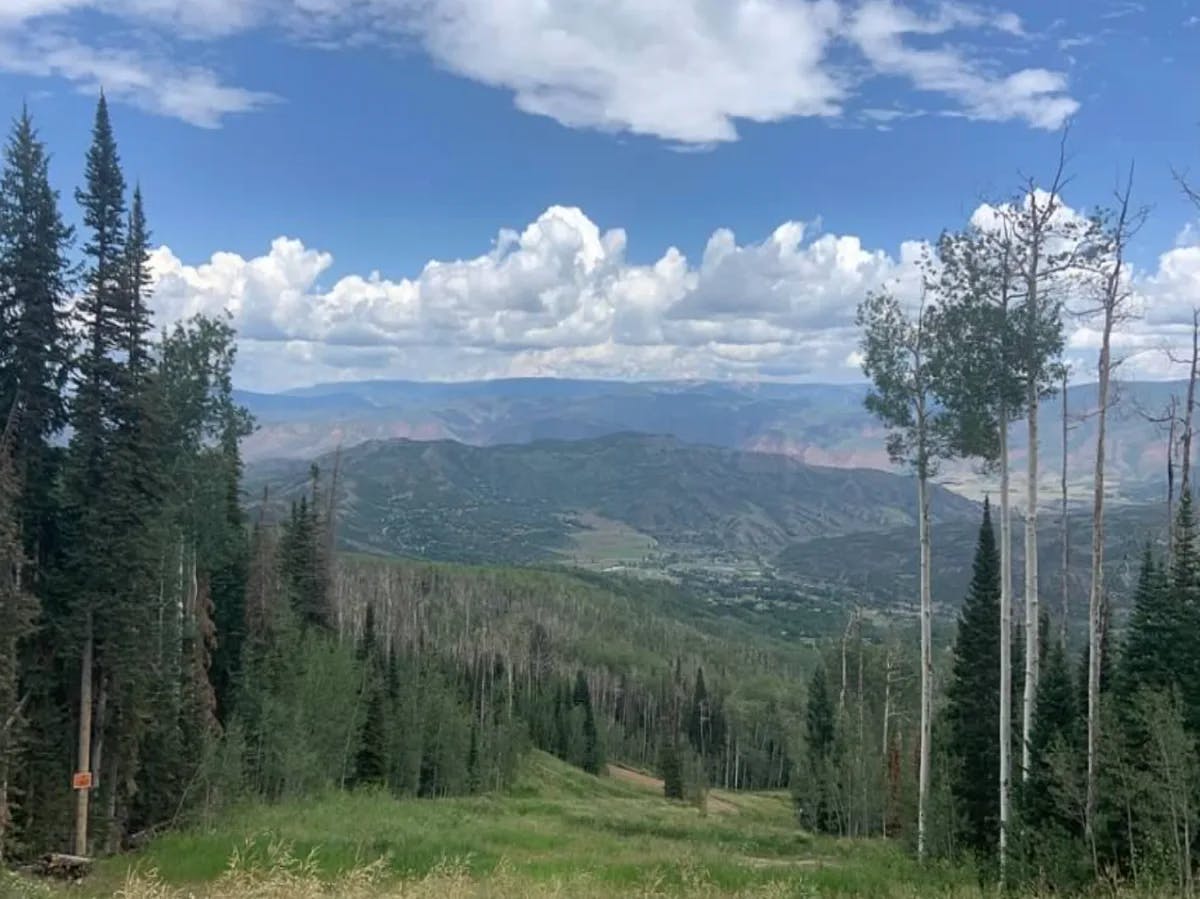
821 424
538 501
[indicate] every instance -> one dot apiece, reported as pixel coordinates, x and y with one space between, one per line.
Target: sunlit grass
558 833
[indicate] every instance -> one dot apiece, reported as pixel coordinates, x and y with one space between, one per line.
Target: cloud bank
560 297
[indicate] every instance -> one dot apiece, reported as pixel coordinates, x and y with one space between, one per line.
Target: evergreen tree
1179 645
816 795
371 763
593 748
35 281
973 698
18 611
1152 635
670 766
95 530
1056 727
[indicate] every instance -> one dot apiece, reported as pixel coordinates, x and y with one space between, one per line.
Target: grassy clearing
558 833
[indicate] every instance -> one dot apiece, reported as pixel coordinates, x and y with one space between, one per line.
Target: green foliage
976 362
814 789
896 348
670 766
516 504
35 357
973 699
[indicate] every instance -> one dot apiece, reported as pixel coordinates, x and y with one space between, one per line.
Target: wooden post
84 766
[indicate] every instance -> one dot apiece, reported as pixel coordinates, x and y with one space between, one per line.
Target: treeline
121 539
531 637
1044 762
856 773
161 655
158 658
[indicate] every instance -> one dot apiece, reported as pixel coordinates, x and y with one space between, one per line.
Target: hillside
558 832
627 496
885 574
819 424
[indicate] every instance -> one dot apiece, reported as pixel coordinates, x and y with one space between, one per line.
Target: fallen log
62 866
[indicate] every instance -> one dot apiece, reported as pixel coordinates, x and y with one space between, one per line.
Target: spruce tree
35 356
670 766
1151 635
94 529
593 749
371 762
1056 727
18 611
973 698
816 805
1180 646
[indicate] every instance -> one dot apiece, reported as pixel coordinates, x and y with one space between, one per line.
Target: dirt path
649 782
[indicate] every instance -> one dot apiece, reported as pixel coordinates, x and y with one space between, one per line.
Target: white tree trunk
926 661
1032 606
1005 723
1096 595
1185 455
1066 542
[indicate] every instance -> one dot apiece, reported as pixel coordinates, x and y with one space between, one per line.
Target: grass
558 833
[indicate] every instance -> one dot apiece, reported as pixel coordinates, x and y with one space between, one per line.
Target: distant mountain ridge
624 495
820 424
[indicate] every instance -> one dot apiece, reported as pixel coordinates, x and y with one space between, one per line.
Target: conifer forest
180 641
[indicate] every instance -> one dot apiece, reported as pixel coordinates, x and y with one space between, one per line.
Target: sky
453 189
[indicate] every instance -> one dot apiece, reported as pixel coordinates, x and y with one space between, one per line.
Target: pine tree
670 766
371 762
1056 727
94 528
18 611
1152 635
35 280
973 697
593 749
815 795
1180 646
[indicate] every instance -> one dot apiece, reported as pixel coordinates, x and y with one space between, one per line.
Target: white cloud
193 94
561 297
1036 96
686 71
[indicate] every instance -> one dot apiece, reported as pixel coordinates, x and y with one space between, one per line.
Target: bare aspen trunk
926 661
1172 424
84 762
1185 460
1032 610
887 715
1066 542
1096 594
845 638
1005 643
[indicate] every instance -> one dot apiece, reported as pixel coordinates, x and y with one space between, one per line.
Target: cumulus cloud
686 71
561 297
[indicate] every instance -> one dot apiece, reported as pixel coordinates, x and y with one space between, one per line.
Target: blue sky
378 135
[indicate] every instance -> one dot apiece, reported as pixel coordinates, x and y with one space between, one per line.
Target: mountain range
623 497
819 424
